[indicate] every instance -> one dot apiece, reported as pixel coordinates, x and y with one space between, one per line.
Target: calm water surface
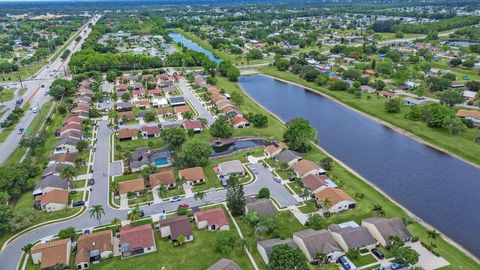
193 46
440 189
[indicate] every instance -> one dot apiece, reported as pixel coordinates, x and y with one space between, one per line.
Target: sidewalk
302 218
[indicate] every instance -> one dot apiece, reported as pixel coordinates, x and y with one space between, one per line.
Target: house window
85 265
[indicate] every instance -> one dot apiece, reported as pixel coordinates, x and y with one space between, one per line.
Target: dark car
396 266
79 203
344 263
378 253
91 181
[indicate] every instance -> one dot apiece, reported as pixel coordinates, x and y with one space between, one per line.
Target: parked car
91 181
87 231
34 109
184 205
344 263
20 130
79 203
378 254
396 266
175 199
277 179
19 101
142 214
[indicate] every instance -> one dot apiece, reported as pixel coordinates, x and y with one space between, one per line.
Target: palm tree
326 204
200 195
27 248
321 258
114 186
162 190
378 209
97 211
79 162
69 173
135 214
433 235
180 181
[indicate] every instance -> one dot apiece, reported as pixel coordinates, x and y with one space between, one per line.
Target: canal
179 38
438 188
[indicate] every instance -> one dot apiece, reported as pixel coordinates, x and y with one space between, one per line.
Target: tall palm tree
96 211
200 195
135 214
326 204
378 209
28 248
115 186
69 173
433 235
162 190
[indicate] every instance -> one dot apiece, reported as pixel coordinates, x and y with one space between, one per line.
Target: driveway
195 102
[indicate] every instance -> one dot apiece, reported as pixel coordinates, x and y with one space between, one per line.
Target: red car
185 205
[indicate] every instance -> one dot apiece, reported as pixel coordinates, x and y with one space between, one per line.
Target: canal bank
375 184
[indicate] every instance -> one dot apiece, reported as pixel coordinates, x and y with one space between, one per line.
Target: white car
175 199
34 109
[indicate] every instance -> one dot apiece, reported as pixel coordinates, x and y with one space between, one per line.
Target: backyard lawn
364 260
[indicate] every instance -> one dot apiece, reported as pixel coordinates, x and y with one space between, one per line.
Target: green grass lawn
79 183
364 260
308 208
463 144
78 196
197 254
173 192
7 94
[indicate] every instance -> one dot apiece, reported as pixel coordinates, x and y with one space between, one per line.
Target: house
126 134
179 110
386 94
312 242
139 93
230 111
81 109
409 101
122 87
70 126
54 200
123 106
265 247
150 131
138 86
72 119
224 264
370 72
472 115
136 240
351 236
409 85
176 226
155 92
382 228
65 158
127 116
135 186
81 114
469 95
263 207
159 102
165 112
194 125
166 178
142 104
239 121
176 101
339 200
139 159
50 183
316 182
166 84
193 175
52 254
93 247
306 167
66 145
212 219
273 149
228 168
367 89
55 169
288 156
85 92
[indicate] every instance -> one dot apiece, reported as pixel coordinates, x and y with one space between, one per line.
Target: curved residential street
11 255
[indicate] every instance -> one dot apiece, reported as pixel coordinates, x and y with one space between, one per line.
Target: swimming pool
161 161
162 158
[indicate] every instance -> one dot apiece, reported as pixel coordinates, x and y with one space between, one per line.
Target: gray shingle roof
264 207
287 156
224 264
52 181
269 244
389 227
354 237
318 241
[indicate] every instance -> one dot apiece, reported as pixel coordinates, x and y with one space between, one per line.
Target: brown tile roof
237 119
67 157
53 253
214 216
142 102
137 236
102 241
81 108
71 126
138 92
150 129
156 91
127 133
122 87
192 124
126 115
468 113
313 182
178 226
304 166
192 174
73 119
274 147
182 109
164 110
335 195
131 186
55 196
162 178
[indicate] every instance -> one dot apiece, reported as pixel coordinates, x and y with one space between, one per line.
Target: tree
226 241
435 114
82 145
235 196
96 211
6 214
258 120
252 219
339 85
68 233
174 137
200 195
182 211
453 125
450 97
150 116
473 86
263 193
352 74
385 66
325 205
298 135
233 73
378 209
180 240
393 105
353 253
433 235
284 257
438 84
69 173
221 128
125 97
254 54
456 62
194 153
27 248
162 190
237 98
61 89
406 255
321 258
282 64
327 163
315 221
135 214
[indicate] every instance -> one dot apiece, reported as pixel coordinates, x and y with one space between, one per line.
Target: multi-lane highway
37 89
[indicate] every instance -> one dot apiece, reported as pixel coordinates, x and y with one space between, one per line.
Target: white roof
469 94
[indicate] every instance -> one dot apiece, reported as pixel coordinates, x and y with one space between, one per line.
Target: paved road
10 256
409 94
197 105
36 94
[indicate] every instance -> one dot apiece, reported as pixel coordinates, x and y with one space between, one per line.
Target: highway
37 89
